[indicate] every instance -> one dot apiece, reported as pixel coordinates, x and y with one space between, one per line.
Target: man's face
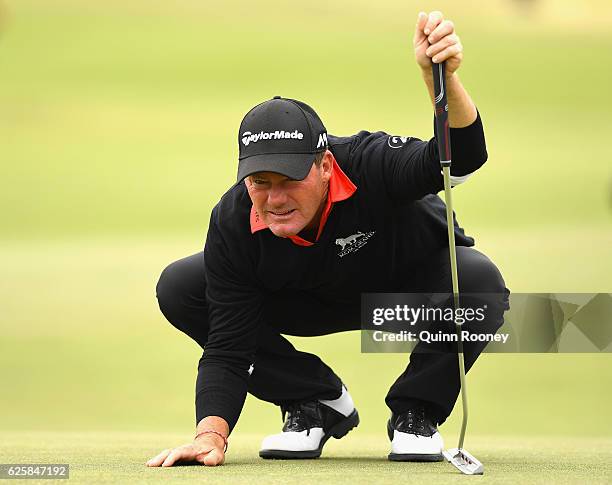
289 206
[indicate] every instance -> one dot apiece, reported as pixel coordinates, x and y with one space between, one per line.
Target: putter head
464 461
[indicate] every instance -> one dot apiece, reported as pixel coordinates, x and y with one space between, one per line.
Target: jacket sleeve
234 314
409 168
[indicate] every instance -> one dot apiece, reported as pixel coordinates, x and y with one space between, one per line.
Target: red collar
340 188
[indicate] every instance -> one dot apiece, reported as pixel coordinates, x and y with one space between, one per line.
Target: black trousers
284 374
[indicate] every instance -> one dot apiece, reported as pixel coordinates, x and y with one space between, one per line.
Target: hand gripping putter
459 457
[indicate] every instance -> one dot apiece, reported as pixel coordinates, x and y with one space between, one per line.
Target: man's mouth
281 214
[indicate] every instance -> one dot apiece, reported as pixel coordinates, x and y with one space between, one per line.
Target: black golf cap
280 135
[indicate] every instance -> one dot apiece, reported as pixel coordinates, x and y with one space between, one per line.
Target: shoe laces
298 415
414 421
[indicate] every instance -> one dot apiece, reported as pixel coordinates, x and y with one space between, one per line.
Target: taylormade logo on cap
248 137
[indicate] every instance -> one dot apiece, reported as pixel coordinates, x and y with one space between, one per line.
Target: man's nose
277 196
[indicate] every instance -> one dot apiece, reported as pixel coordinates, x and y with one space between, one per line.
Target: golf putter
459 457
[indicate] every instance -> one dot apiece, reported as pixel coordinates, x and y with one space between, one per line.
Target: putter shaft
455 280
459 457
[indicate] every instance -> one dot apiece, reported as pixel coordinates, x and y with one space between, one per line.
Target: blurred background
118 134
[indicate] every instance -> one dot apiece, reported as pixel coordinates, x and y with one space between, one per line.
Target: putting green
358 458
118 135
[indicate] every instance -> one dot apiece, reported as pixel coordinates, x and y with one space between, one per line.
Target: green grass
81 331
118 134
123 119
358 458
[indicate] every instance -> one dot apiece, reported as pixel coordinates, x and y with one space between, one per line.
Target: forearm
468 148
221 389
461 108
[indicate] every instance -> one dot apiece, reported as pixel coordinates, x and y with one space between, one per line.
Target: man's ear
327 165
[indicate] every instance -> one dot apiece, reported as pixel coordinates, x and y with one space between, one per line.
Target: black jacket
392 221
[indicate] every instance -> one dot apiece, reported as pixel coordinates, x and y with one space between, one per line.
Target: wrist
210 435
216 423
213 429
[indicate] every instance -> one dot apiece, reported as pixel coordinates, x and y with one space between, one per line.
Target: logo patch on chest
352 243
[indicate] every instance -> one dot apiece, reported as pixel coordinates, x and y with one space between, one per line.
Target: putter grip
442 129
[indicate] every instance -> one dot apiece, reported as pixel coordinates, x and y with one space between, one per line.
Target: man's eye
259 182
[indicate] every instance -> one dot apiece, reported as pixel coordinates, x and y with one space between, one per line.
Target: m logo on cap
322 140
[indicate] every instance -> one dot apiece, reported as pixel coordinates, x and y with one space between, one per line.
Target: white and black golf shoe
414 437
308 425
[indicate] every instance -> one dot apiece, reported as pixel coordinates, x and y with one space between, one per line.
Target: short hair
319 157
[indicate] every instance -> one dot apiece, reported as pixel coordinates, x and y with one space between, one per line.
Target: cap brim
293 165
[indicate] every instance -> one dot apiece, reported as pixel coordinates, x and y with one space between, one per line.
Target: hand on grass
206 450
